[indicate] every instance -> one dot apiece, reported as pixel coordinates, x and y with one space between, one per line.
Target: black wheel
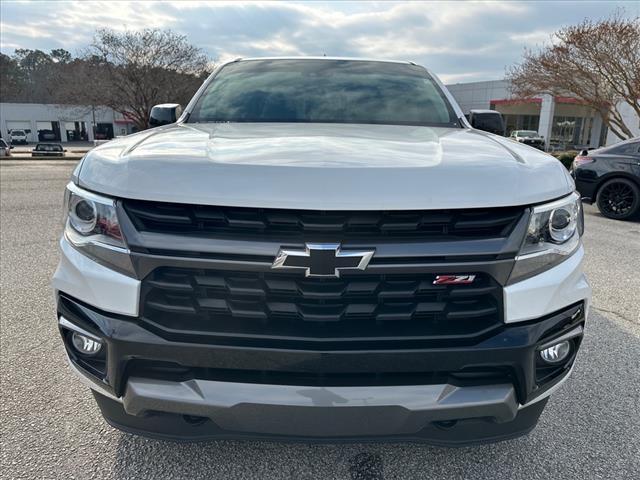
618 198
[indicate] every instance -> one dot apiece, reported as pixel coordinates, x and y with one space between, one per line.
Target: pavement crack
617 314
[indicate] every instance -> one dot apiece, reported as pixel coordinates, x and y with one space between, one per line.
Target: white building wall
630 118
478 95
38 112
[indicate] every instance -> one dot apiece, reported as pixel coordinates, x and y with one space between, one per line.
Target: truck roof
479 110
355 59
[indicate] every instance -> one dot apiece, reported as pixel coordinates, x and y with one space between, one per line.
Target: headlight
552 236
92 227
83 214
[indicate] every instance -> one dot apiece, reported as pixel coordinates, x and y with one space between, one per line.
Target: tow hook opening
194 419
446 424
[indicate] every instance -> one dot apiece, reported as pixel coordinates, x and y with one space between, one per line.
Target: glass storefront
521 122
570 132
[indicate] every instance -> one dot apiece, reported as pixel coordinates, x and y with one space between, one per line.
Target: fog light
85 345
556 353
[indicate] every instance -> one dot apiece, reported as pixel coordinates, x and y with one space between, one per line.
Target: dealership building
63 123
564 122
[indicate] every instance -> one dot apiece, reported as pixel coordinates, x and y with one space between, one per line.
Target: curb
39 159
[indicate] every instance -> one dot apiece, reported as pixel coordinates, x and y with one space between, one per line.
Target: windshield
324 91
48 148
17 132
527 133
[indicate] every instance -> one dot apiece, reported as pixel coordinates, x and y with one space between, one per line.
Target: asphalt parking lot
51 427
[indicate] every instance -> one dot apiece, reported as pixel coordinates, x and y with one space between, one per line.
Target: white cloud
459 77
536 37
460 40
23 31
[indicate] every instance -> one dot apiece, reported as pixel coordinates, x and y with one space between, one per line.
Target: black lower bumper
587 189
465 394
182 428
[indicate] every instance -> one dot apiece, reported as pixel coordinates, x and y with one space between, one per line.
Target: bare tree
596 62
138 69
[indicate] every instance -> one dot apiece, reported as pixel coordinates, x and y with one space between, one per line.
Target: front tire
619 199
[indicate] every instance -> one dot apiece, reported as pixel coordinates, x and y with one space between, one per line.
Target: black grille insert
178 373
339 225
268 307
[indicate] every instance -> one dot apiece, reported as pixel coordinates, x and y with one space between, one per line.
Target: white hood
324 167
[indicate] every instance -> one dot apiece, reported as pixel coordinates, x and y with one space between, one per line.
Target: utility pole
93 127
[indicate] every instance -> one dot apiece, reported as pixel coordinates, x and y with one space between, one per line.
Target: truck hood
323 167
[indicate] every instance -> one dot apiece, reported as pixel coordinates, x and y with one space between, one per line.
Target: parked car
18 136
528 137
5 149
321 248
610 177
487 120
48 150
46 135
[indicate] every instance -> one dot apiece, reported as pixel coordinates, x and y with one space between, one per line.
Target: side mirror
164 114
488 121
583 153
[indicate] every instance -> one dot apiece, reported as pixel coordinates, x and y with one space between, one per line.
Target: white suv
18 136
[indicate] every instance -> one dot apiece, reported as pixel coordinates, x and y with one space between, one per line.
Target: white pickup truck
321 249
18 136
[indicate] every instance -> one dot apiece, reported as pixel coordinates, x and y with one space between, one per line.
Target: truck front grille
303 224
289 309
179 373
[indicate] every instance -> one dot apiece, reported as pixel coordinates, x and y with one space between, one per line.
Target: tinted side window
632 148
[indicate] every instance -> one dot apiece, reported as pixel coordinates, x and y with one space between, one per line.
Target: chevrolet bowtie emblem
322 259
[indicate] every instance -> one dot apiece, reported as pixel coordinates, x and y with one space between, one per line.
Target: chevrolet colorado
321 249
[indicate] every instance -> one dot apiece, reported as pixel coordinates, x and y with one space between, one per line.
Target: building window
521 122
566 132
530 122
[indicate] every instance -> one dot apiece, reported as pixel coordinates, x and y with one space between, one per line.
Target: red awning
515 101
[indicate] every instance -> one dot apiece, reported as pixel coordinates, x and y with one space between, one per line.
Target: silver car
5 149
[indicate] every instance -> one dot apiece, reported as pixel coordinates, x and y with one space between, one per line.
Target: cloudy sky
460 41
